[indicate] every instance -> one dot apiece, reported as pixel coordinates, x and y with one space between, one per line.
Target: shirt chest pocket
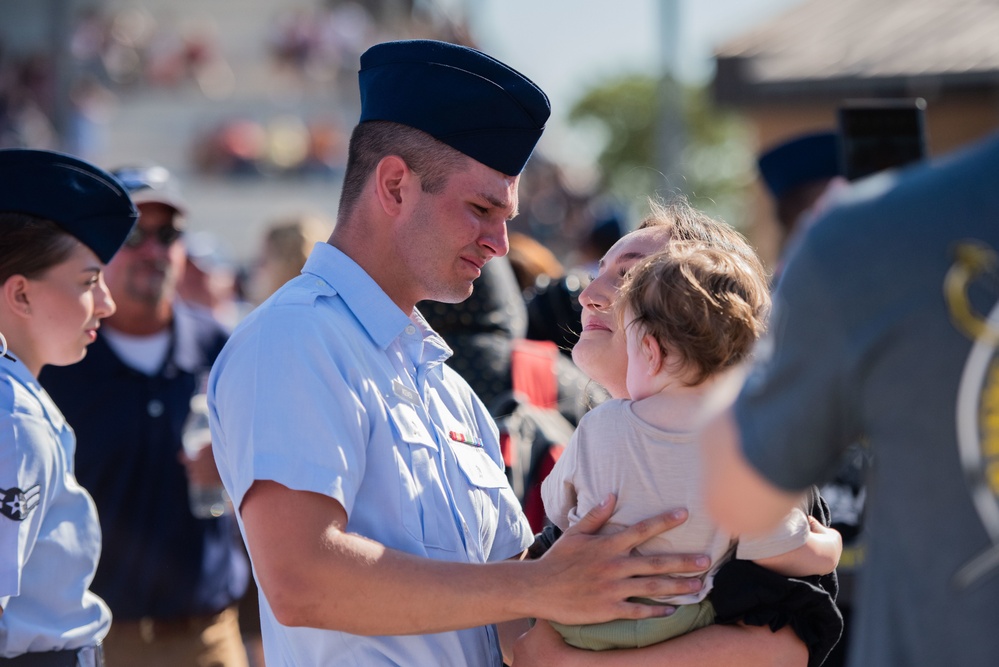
424 510
478 469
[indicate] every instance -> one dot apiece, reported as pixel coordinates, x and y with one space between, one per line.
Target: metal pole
670 131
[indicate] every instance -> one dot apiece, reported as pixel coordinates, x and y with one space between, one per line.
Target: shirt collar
381 318
19 372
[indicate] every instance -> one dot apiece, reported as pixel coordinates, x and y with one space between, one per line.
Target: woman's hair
30 245
701 301
686 223
432 160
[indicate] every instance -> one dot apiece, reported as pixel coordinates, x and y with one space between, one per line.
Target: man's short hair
431 160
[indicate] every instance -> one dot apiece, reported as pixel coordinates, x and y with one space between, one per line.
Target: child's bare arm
818 555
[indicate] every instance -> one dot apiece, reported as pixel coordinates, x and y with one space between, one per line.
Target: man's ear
16 294
391 176
653 354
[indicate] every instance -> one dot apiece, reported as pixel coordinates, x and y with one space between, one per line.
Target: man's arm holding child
314 573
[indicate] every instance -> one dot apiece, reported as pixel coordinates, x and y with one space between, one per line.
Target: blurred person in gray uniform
885 327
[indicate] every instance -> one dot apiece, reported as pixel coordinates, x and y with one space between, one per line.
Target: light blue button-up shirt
50 538
329 387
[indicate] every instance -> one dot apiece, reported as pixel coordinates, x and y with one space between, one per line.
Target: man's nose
496 240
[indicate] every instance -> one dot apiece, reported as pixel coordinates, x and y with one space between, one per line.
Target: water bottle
207 501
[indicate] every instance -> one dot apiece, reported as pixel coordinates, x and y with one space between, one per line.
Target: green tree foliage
715 165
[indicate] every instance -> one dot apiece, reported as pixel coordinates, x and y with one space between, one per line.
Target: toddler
688 314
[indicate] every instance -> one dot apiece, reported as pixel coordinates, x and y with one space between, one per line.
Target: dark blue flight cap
85 201
460 96
800 160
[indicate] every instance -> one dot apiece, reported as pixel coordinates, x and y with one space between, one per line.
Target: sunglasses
164 235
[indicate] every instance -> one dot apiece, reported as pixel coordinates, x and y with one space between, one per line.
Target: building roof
837 47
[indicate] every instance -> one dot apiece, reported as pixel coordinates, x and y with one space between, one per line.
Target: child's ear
653 354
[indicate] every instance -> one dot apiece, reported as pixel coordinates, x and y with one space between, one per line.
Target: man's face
446 238
148 266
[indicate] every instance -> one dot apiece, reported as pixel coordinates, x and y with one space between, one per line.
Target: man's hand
541 646
587 578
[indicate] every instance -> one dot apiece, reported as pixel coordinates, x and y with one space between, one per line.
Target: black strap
65 658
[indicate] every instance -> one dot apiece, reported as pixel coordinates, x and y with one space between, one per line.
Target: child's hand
816 526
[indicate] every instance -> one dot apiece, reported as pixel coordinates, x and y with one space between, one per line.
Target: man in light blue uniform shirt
366 473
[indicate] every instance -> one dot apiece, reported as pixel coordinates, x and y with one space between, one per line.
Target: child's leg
628 633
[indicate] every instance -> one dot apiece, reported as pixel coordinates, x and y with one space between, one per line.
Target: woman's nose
594 295
104 305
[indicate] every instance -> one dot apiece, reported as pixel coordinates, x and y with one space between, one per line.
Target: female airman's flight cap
85 201
460 96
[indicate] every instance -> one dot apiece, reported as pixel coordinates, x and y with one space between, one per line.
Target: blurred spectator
322 44
532 260
797 172
608 227
554 312
25 104
886 330
285 144
286 245
209 279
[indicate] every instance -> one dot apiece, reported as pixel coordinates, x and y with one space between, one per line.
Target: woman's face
600 351
66 305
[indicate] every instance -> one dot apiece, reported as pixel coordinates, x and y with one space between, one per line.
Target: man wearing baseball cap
366 474
172 579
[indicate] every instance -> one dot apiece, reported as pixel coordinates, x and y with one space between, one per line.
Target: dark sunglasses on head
164 235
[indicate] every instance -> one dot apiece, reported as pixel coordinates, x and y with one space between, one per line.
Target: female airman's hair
30 245
433 161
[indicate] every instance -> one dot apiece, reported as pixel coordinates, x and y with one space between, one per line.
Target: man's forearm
314 574
737 495
713 646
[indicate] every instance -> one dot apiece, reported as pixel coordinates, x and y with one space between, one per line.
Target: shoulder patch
16 504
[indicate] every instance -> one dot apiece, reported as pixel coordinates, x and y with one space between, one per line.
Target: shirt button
411 329
155 407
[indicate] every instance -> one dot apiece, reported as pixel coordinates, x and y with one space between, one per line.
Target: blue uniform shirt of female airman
329 387
50 538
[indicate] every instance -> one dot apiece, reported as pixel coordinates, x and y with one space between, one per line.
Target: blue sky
566 46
